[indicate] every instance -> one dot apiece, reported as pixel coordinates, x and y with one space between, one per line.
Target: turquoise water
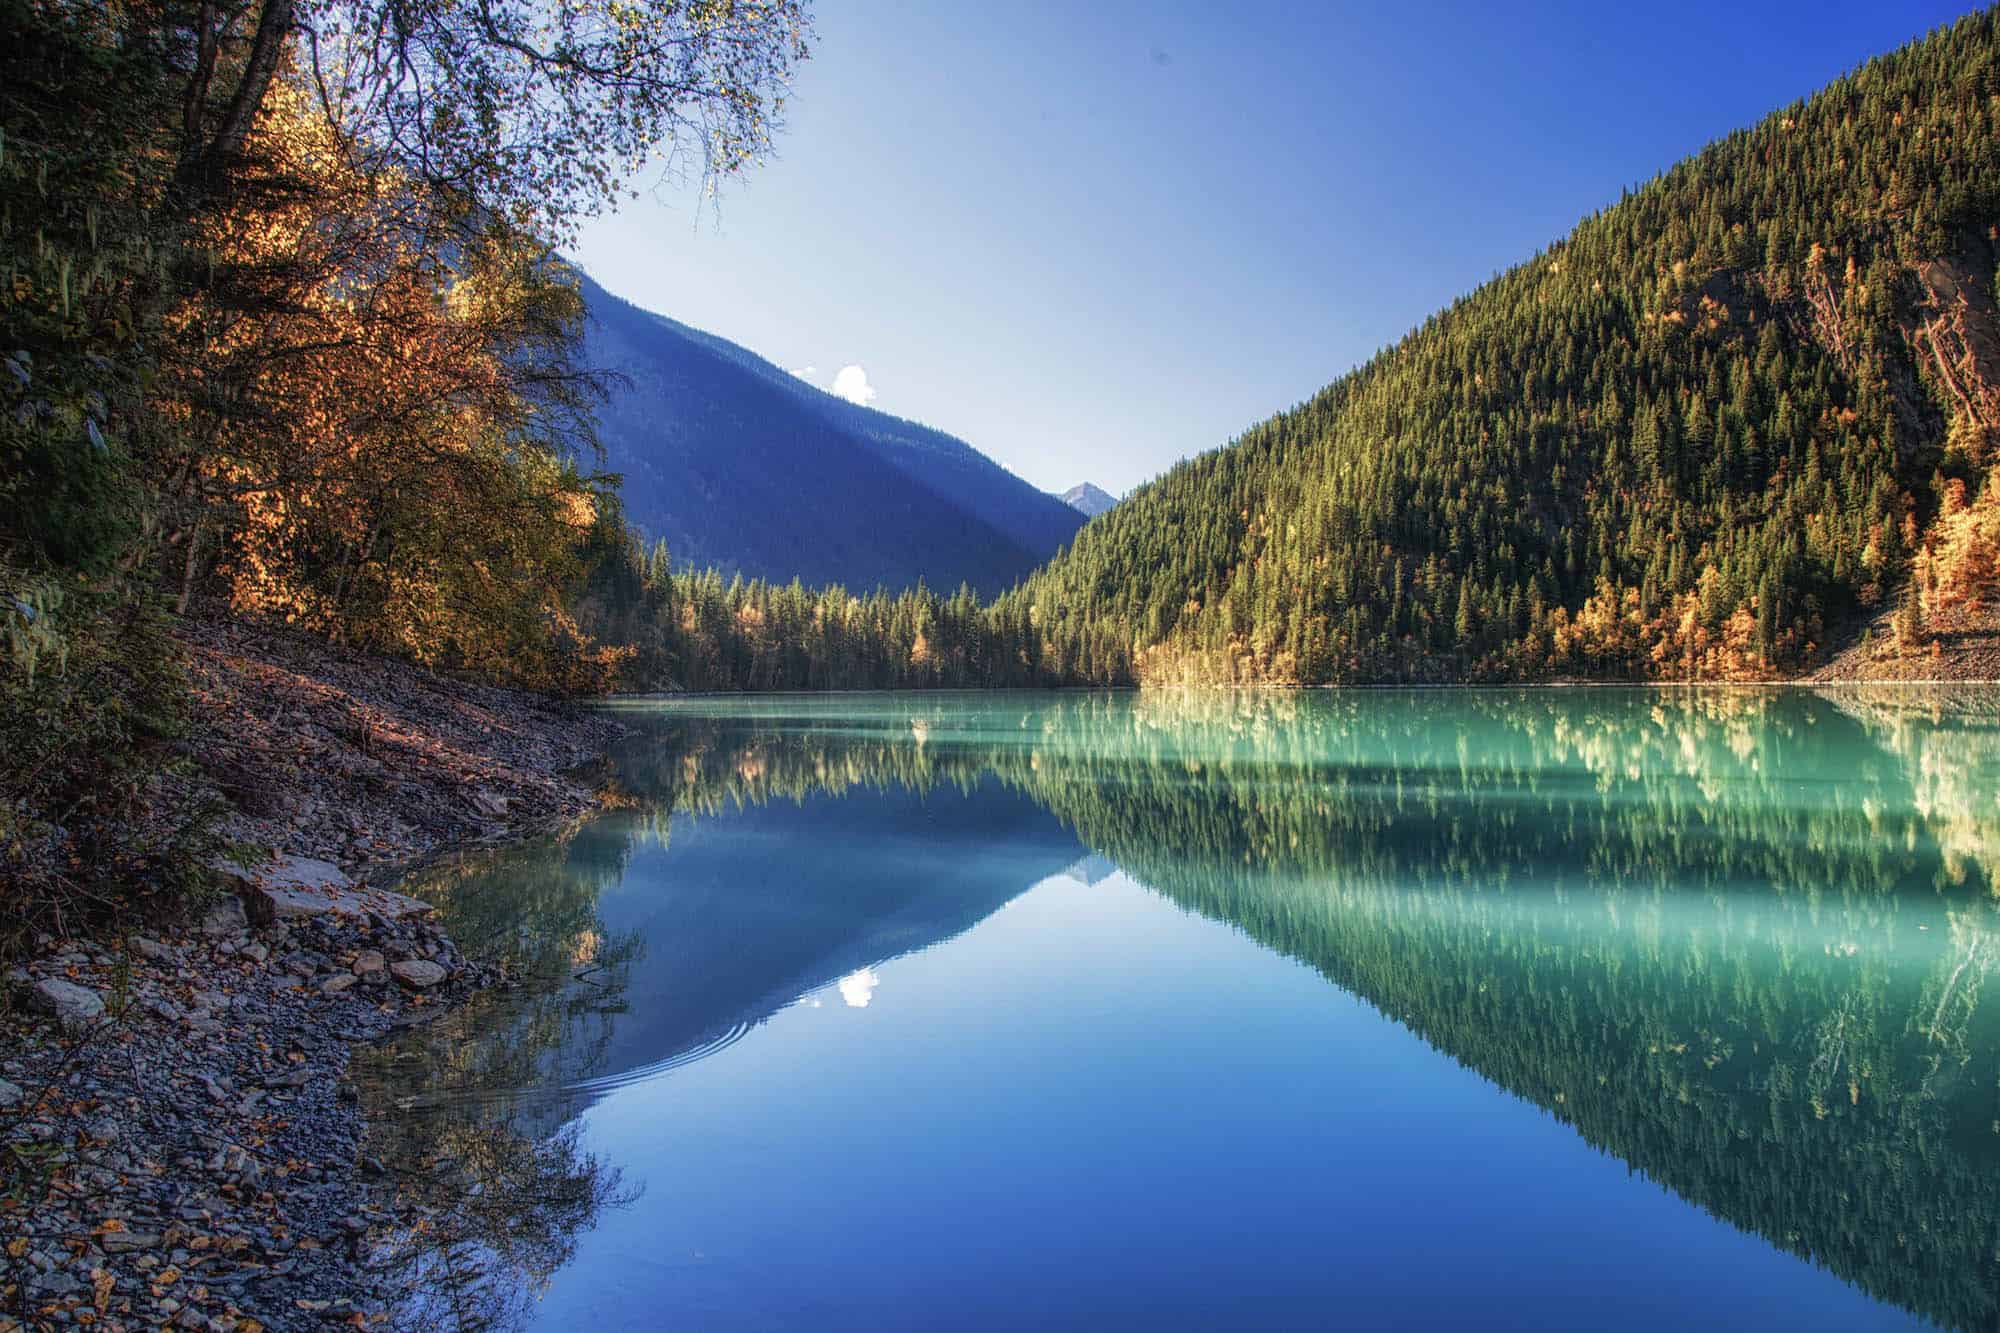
1551 1009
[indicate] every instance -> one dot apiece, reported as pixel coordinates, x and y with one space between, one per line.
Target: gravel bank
179 1143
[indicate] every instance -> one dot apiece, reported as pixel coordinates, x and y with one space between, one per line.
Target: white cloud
806 372
852 384
858 988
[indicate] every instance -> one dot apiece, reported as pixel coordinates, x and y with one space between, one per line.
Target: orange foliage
1958 568
377 422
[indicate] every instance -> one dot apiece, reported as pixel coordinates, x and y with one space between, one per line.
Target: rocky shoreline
371 763
179 1143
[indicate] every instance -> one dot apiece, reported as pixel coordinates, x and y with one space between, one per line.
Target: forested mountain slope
743 466
1722 421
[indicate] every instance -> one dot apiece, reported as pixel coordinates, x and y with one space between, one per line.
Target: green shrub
101 824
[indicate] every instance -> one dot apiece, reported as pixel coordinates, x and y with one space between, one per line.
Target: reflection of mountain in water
1741 939
653 936
1092 869
743 914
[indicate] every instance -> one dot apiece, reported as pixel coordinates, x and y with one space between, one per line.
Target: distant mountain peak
1089 499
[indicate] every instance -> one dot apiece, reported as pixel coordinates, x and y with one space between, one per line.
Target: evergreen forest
1704 436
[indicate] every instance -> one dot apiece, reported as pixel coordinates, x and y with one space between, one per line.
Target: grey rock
335 985
74 1007
256 953
295 888
417 973
490 803
10 1094
225 918
153 950
369 960
126 1242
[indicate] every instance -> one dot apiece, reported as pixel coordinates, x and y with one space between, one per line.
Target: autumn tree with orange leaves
382 436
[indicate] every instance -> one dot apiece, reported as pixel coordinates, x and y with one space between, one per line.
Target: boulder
417 973
74 1007
292 888
153 950
224 918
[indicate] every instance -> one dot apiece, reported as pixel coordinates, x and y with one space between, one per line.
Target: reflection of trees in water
1948 740
1648 915
503 1214
1737 937
1973 954
497 1172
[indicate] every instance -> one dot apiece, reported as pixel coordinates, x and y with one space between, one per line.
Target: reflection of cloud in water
858 988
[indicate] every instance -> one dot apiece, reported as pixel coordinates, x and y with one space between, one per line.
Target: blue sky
1092 239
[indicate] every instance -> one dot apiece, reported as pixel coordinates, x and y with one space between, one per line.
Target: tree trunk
188 566
204 166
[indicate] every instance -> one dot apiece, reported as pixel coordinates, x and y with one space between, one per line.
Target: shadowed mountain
744 466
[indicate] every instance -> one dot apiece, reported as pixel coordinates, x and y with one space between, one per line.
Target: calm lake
1552 1009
